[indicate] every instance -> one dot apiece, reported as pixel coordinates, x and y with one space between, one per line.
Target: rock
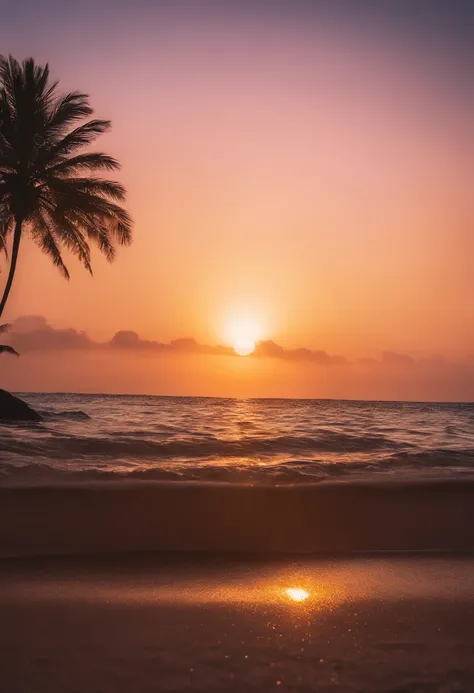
14 409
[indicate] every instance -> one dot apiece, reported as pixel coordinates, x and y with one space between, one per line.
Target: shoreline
327 517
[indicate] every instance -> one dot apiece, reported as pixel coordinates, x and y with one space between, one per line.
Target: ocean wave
436 458
268 442
272 471
200 446
76 415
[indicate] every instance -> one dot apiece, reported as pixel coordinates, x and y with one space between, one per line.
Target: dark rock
14 409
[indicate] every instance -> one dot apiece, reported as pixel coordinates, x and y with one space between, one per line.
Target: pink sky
314 176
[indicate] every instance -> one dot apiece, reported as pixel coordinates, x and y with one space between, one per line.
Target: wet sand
215 517
151 623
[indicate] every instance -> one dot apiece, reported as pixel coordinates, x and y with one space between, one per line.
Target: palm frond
70 187
46 181
3 245
5 349
9 73
6 220
70 108
99 210
67 228
93 161
48 244
81 136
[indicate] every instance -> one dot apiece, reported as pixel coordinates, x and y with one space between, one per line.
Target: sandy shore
147 623
187 516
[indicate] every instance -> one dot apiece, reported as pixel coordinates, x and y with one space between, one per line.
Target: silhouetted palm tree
48 186
4 348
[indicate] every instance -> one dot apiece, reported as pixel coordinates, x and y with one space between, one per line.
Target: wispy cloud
270 349
34 333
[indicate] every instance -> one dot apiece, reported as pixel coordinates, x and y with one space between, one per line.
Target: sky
302 167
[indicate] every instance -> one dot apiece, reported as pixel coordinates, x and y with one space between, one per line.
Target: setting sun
244 347
255 394
243 332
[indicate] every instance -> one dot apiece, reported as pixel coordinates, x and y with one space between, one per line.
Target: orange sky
313 175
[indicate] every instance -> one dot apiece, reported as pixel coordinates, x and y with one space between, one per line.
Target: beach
236 346
383 623
120 516
183 544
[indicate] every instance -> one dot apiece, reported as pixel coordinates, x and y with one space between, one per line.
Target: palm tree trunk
11 273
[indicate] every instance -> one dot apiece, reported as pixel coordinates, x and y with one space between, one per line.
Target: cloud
270 349
367 361
393 359
34 333
127 339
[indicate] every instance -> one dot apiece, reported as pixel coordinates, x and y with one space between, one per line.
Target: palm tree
4 348
49 187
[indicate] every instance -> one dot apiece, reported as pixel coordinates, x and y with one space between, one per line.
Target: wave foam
203 446
76 415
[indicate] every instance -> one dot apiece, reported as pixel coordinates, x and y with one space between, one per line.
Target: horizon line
243 399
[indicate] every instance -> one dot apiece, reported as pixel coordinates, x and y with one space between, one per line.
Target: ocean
264 441
107 472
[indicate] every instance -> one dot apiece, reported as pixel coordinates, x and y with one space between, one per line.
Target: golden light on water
297 594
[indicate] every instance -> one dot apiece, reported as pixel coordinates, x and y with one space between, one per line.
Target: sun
243 332
244 346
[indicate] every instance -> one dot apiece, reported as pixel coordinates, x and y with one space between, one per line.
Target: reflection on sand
286 589
131 623
299 588
297 594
